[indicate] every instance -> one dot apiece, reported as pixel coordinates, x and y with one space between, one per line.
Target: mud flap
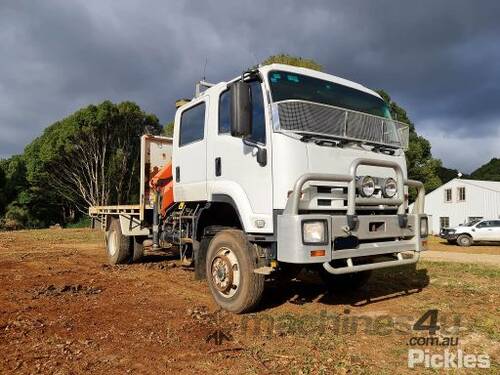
200 258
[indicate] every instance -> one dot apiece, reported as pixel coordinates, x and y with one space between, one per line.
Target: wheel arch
221 212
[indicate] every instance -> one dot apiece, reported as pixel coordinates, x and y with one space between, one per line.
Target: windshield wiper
325 140
384 150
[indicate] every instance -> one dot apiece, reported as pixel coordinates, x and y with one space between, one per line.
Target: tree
168 129
3 198
489 171
420 163
283 58
447 174
92 156
27 205
14 170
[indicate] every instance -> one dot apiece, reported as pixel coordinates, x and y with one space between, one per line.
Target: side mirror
241 109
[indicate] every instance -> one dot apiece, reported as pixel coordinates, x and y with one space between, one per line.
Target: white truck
278 169
473 232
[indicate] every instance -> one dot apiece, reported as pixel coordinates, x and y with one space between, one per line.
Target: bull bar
405 228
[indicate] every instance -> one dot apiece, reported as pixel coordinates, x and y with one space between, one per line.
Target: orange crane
163 183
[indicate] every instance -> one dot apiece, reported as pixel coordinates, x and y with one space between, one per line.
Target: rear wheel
138 248
464 240
118 246
230 263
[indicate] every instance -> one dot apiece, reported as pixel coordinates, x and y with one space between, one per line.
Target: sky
440 60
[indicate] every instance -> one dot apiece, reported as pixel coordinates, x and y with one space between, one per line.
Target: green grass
455 269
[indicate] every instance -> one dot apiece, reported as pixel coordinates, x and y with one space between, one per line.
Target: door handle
218 167
177 174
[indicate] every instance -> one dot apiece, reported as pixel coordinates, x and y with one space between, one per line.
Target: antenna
203 84
205 69
254 58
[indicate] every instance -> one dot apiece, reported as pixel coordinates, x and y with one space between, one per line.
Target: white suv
475 231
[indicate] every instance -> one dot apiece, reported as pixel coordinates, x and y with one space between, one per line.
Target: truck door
491 230
190 152
495 230
481 231
233 167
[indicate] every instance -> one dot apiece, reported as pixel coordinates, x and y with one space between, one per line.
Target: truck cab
283 168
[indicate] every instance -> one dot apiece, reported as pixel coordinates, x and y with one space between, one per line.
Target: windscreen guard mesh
303 116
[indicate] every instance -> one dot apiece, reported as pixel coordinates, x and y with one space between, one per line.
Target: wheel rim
112 243
225 272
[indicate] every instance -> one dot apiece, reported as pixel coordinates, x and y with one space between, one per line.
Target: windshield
286 86
470 223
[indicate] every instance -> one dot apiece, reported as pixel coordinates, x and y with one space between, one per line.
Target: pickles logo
446 359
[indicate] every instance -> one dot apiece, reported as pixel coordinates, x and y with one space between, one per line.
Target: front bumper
448 236
351 238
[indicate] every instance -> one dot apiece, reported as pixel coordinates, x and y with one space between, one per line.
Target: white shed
459 201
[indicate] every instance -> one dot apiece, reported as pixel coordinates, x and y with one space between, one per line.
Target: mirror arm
261 151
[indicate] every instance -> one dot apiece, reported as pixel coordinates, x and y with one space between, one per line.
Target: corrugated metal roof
490 185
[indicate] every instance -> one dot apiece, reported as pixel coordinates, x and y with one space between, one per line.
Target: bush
83 222
16 215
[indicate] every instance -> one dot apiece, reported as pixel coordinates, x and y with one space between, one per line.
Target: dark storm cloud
437 59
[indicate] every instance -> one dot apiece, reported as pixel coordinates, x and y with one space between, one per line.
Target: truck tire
344 283
118 247
138 248
230 263
464 240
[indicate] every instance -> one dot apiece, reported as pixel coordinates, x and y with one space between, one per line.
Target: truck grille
333 198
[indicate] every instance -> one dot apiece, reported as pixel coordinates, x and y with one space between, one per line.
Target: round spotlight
390 188
367 186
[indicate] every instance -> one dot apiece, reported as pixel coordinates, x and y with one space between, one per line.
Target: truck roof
316 74
299 70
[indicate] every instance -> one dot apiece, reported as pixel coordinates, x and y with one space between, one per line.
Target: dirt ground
438 244
64 311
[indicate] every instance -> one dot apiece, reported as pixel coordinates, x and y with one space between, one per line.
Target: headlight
314 232
424 227
366 186
390 188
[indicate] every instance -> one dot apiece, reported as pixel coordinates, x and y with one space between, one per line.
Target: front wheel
464 240
230 263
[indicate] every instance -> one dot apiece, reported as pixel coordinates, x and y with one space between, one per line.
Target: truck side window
225 112
258 119
192 126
